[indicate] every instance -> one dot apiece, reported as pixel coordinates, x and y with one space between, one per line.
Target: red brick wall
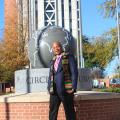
27 111
85 110
108 109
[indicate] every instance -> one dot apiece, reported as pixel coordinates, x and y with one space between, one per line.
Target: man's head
57 48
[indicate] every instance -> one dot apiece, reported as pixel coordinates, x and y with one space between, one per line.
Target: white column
31 16
60 13
56 12
75 28
25 20
66 15
25 13
74 18
41 12
30 35
80 42
34 21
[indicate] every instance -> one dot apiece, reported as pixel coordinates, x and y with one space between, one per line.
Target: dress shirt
58 57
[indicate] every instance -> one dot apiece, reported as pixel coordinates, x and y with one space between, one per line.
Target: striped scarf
66 71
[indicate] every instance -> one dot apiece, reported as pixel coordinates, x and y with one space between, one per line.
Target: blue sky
1 17
111 68
93 23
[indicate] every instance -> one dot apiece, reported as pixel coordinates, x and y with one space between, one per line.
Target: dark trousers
68 103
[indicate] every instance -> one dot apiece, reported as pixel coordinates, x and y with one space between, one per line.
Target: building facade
63 13
10 16
10 10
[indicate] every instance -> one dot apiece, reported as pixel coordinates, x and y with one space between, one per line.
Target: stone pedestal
31 80
35 80
84 81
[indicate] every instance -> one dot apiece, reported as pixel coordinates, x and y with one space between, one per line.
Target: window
49 6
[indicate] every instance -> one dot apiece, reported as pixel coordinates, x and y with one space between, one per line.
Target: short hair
58 43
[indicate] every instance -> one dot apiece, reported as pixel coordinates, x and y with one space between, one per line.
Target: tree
108 8
88 52
12 50
12 58
101 50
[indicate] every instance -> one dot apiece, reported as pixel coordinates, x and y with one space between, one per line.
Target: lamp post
80 44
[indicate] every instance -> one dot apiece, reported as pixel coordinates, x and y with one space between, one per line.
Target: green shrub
116 90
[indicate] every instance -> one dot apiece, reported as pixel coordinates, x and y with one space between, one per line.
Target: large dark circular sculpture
40 45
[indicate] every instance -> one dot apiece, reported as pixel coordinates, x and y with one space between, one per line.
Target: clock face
40 46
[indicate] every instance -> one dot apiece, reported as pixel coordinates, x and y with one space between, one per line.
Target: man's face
56 48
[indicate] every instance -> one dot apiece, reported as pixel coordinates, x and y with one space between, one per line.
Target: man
62 82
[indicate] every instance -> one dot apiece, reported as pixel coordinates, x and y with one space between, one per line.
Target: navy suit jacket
59 75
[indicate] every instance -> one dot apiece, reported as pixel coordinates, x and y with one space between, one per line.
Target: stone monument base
31 80
35 80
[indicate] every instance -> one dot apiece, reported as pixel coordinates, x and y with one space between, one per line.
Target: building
63 13
11 16
10 10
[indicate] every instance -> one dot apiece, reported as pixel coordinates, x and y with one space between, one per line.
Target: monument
34 79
